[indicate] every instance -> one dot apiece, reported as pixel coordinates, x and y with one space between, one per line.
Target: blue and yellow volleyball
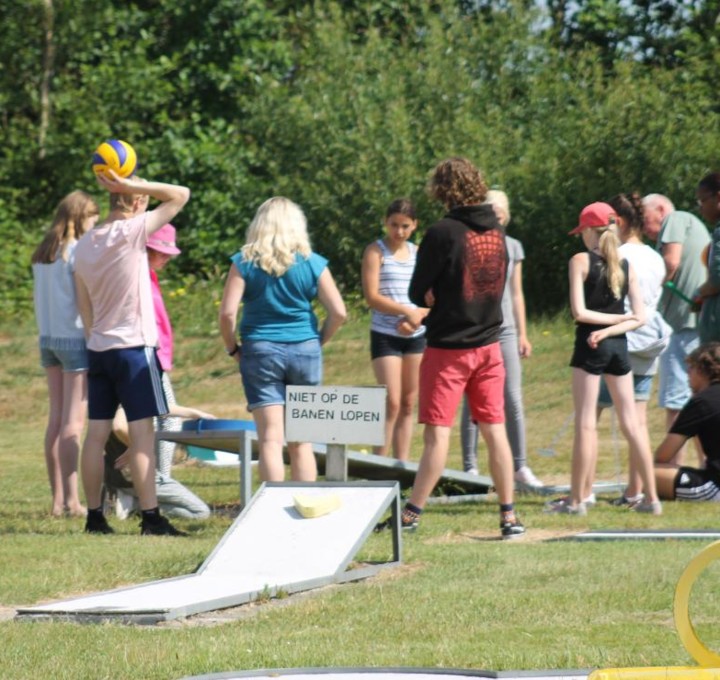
116 155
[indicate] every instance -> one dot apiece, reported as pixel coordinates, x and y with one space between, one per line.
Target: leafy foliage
345 106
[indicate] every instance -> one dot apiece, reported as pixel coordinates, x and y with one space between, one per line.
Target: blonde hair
499 200
68 226
125 202
608 244
276 235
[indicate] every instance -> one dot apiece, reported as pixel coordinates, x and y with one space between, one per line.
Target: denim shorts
71 360
642 386
267 367
674 389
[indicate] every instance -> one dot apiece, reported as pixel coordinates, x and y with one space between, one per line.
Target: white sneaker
526 477
649 507
472 471
562 506
125 503
590 500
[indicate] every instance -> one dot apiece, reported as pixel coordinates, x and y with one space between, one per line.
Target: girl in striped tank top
397 336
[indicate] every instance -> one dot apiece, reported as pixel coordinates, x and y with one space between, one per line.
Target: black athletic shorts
382 345
693 484
610 356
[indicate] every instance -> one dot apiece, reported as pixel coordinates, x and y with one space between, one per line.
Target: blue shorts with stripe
130 377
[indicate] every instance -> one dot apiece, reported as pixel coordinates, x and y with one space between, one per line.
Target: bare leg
634 486
435 450
621 390
500 459
388 372
585 389
665 480
404 425
142 461
270 424
303 466
92 463
670 417
73 421
52 438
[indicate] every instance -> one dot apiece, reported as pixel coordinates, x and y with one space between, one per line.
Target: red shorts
445 374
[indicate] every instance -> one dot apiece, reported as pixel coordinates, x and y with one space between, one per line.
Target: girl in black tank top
599 283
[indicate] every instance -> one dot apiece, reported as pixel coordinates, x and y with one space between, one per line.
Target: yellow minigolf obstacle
709 661
681 607
316 506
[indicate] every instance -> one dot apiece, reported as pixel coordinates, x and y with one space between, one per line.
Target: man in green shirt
680 238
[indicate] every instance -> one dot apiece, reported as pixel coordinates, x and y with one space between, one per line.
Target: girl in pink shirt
161 249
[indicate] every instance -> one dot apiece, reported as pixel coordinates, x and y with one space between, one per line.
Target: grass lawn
463 599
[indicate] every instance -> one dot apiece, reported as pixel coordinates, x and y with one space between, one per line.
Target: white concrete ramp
269 548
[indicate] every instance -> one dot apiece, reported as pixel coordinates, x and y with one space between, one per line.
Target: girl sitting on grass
700 417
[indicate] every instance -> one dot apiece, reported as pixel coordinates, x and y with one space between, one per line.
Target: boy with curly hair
460 274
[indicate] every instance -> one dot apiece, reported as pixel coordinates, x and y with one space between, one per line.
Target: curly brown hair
456 182
706 359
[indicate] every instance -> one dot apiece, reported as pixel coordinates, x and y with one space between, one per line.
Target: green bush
342 107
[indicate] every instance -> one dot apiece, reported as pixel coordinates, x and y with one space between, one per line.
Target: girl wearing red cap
599 283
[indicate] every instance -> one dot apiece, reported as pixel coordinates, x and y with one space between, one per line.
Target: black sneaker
628 501
161 527
407 525
97 524
511 529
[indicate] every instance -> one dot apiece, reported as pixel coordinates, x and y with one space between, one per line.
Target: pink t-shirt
112 262
164 327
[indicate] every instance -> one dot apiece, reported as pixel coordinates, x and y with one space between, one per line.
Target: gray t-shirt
516 253
686 229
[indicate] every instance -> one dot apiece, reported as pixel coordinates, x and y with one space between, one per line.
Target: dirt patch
7 613
242 612
532 536
251 609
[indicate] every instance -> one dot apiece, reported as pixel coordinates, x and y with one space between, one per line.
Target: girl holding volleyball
63 353
397 336
599 282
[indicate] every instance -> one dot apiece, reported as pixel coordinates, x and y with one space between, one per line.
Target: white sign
335 415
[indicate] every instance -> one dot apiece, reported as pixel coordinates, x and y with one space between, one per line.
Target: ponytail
609 244
67 227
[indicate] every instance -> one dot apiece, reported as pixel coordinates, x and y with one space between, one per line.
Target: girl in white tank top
396 330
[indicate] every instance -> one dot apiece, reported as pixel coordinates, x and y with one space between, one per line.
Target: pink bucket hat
163 240
595 215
